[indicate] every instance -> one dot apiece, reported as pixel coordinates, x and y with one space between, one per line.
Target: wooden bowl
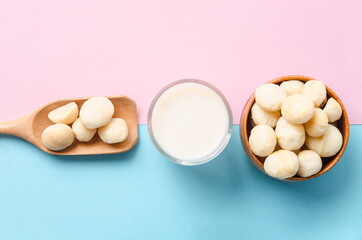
245 128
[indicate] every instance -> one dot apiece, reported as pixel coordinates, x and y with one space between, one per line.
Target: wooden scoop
32 126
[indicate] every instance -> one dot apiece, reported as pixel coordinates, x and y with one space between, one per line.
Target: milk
190 121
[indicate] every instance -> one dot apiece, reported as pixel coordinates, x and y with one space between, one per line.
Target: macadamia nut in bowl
262 140
270 97
312 128
290 136
260 116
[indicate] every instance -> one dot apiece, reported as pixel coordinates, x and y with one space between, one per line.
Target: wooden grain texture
246 126
32 126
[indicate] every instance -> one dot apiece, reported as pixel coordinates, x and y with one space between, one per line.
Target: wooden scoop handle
19 127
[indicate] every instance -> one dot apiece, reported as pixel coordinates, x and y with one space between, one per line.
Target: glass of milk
190 121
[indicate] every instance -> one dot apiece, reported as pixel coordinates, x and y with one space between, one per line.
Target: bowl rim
244 123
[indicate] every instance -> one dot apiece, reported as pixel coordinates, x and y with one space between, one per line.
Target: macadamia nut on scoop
310 163
316 91
333 110
260 116
57 137
281 164
297 109
292 87
262 140
318 124
327 145
114 132
82 133
270 97
96 112
65 114
290 136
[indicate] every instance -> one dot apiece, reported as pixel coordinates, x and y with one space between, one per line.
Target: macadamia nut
65 114
292 87
281 164
270 97
333 110
82 133
57 137
297 109
262 140
96 112
316 91
260 116
318 124
310 163
290 136
327 145
114 132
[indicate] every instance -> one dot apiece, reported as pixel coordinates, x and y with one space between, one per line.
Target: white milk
190 121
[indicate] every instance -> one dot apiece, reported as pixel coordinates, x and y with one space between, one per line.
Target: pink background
61 49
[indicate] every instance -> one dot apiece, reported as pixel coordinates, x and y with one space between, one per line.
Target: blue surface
141 195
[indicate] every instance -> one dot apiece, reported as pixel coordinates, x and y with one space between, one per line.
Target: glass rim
217 150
